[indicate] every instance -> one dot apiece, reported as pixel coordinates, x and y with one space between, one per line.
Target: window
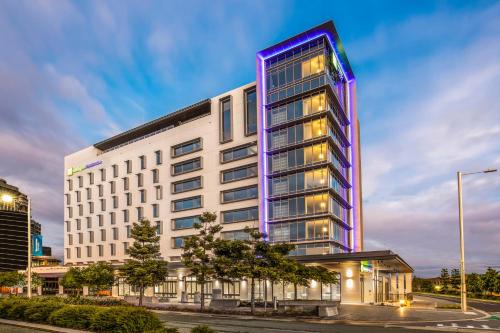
250 111
68 226
156 175
159 192
186 185
142 162
177 242
125 215
159 228
187 203
129 198
78 224
125 247
89 222
103 204
78 252
80 238
100 249
238 153
158 157
68 199
112 187
128 166
186 147
91 178
70 239
68 253
70 184
112 249
140 213
91 236
91 207
231 175
321 203
115 233
235 235
80 181
240 215
80 210
238 194
309 230
140 180
129 231
185 222
89 193
100 189
226 126
112 218
125 184
100 219
103 235
103 174
115 170
156 210
78 196
186 166
142 195
70 212
115 201
89 251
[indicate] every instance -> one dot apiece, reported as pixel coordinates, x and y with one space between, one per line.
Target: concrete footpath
21 327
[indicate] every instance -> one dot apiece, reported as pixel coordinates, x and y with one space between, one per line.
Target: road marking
485 326
440 325
470 326
454 325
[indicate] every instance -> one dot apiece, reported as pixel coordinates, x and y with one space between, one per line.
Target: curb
40 327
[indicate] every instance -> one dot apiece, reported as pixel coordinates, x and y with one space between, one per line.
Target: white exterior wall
207 128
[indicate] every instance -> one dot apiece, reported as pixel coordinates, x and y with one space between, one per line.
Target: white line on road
485 326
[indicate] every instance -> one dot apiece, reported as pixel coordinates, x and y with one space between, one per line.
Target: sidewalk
37 327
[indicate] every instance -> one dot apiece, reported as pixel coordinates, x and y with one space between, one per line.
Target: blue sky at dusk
428 76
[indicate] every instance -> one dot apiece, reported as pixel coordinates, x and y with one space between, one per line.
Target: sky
428 79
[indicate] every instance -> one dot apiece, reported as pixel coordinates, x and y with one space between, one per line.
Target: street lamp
7 198
463 289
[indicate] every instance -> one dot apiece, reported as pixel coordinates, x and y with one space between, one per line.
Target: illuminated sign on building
37 249
366 266
73 170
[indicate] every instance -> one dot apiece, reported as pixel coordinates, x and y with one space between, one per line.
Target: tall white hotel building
281 154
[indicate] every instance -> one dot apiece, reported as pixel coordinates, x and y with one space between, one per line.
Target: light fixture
314 284
321 156
322 205
7 198
322 181
325 229
348 273
349 283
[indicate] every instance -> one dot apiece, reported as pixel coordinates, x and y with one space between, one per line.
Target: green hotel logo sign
73 170
366 266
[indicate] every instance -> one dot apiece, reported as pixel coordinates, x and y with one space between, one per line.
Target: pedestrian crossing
478 326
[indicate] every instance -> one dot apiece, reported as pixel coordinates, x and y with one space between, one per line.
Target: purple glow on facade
261 82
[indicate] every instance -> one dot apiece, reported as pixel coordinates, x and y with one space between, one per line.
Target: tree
198 251
254 259
445 278
474 283
489 279
455 278
145 268
99 276
73 279
11 279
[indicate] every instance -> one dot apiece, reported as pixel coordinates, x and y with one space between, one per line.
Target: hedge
55 311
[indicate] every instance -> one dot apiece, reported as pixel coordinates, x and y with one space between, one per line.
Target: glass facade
307 149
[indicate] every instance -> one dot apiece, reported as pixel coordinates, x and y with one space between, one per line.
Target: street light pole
29 247
463 286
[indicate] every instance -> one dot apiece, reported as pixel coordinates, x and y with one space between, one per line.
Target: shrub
125 319
39 311
164 330
78 300
8 303
74 316
16 309
202 329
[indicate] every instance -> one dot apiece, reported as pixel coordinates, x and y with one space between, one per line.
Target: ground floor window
191 286
231 289
50 286
330 292
124 289
168 288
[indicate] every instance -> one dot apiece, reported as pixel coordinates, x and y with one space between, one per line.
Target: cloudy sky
73 73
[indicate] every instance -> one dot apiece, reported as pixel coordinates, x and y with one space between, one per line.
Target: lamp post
463 287
7 198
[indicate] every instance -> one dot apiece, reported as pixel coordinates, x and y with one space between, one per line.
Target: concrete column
61 290
39 290
85 291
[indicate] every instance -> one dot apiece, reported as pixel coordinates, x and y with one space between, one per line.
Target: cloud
442 117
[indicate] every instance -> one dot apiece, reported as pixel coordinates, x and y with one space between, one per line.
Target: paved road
185 321
488 306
